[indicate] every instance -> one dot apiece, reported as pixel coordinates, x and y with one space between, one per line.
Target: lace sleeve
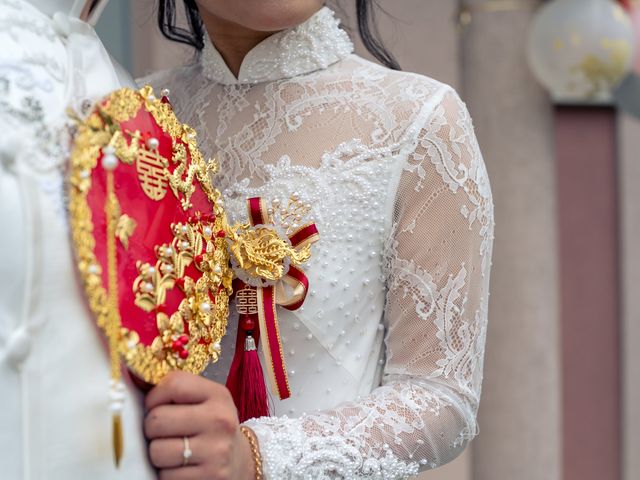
437 267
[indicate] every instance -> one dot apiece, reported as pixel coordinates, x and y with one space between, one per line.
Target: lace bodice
385 356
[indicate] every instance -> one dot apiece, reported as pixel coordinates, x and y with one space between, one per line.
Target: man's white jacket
55 422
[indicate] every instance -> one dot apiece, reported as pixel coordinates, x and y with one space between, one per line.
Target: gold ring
186 452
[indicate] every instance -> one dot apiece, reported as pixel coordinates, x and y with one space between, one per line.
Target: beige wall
151 51
630 217
520 435
422 35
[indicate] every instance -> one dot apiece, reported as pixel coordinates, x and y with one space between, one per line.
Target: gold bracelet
255 450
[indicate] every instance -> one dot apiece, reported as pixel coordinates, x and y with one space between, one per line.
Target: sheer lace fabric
388 371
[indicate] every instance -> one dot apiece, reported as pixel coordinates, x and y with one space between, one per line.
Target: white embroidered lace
399 190
25 81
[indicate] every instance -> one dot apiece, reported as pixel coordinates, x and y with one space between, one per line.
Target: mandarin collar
313 45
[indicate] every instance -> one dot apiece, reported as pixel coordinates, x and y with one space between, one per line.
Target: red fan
149 233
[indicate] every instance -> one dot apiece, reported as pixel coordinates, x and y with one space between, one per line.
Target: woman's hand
186 405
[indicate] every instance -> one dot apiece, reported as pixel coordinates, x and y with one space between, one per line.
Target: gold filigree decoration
172 345
122 105
247 301
126 152
124 229
181 180
206 250
196 243
161 362
180 185
152 173
291 215
261 251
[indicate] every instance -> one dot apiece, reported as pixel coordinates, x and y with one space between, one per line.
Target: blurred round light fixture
580 50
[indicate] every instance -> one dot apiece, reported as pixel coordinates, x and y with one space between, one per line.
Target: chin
262 15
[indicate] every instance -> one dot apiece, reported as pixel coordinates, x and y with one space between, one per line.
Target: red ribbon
264 324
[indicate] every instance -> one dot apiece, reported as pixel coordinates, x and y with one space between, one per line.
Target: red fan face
149 233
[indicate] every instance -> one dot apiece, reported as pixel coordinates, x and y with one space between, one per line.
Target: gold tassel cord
112 210
103 232
118 442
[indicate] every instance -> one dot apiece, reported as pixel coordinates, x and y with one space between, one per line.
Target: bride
385 357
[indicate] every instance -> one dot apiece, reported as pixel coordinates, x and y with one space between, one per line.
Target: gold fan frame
151 363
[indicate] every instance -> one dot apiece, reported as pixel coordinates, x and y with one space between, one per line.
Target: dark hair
368 29
194 35
167 23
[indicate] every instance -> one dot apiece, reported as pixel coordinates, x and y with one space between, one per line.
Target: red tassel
246 379
253 391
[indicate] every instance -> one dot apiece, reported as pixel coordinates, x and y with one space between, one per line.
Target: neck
233 41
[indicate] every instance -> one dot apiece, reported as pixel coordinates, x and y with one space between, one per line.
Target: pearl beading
312 45
402 203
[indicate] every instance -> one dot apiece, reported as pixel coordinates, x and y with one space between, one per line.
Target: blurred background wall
561 398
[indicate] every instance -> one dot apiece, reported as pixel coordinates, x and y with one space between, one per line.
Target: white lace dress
385 357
